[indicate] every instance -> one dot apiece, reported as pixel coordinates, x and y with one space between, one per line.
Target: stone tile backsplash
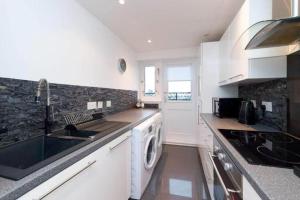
24 118
274 91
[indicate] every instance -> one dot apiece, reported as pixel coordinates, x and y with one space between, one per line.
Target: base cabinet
104 174
205 145
208 170
248 191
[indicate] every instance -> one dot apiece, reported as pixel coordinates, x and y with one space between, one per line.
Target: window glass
179 83
150 80
179 73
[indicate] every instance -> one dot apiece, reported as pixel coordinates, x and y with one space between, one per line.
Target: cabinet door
117 170
208 170
104 174
224 58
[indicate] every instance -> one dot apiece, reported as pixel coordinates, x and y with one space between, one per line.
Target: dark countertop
10 189
271 183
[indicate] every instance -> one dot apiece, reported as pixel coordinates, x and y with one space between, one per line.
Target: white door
180 99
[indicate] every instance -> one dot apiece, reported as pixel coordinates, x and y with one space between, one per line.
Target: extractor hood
276 33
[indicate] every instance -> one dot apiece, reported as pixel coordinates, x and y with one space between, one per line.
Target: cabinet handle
115 146
222 81
89 164
198 113
240 75
199 86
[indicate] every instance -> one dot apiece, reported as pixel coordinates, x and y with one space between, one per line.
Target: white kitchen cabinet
205 145
238 64
208 78
208 88
248 191
104 174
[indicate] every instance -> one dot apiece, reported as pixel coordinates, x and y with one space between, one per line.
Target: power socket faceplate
91 105
108 104
268 105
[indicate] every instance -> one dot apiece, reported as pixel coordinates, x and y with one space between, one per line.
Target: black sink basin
20 159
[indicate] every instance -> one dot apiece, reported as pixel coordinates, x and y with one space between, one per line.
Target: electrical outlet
2 87
268 106
91 105
100 104
254 103
108 104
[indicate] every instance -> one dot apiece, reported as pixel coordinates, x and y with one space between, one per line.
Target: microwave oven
226 107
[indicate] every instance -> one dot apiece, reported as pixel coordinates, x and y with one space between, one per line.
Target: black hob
265 148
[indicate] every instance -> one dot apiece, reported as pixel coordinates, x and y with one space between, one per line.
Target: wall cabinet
238 64
104 174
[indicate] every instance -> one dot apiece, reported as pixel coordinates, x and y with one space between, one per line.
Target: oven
227 177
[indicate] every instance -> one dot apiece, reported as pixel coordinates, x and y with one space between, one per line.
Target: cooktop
265 148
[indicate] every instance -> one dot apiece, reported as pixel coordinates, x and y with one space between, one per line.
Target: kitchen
135 99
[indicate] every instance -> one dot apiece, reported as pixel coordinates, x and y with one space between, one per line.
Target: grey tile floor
177 176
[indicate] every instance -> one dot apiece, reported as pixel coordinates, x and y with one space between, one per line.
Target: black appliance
227 177
293 87
265 148
247 113
226 107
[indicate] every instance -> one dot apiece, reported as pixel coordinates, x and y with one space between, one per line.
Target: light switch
108 104
268 106
91 105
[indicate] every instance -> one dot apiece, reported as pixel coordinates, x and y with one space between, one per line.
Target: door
179 105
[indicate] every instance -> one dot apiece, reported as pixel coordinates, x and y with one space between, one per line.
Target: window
150 80
179 83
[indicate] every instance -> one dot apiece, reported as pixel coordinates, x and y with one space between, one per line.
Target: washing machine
158 121
144 152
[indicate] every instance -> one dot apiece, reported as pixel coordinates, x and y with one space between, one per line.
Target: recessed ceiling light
122 2
149 41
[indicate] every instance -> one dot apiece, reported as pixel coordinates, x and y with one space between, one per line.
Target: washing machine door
159 136
150 152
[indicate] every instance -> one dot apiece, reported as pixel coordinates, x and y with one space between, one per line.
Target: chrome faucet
44 83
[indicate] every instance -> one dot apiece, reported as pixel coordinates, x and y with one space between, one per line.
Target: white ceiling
169 24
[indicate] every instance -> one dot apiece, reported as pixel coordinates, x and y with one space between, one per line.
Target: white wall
159 59
169 54
59 40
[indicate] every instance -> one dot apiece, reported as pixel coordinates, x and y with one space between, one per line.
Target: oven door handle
227 190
